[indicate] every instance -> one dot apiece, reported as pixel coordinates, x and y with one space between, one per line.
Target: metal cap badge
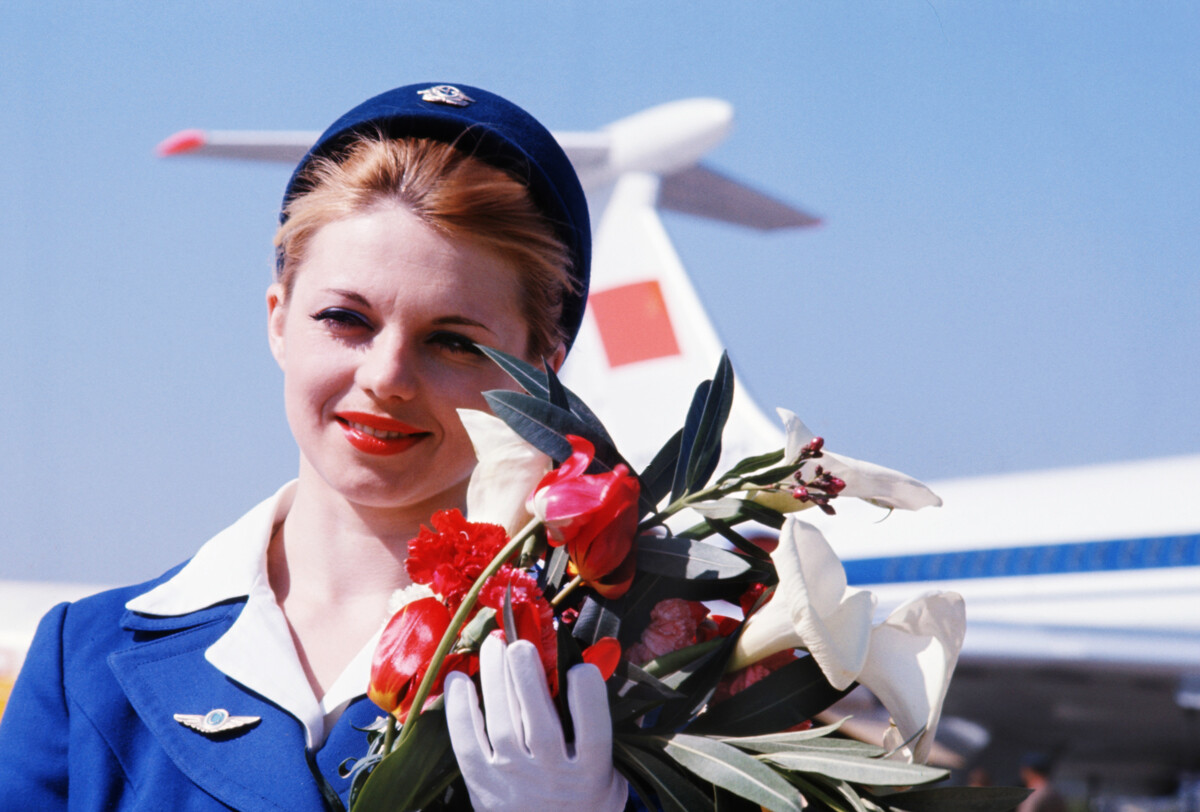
445 94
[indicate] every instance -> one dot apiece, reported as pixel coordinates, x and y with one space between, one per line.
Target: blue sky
1008 276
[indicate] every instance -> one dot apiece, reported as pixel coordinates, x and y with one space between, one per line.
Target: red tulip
403 654
605 654
595 515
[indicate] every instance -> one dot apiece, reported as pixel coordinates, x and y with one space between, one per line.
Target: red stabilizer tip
181 142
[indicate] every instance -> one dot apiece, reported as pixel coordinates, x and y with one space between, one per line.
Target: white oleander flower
812 608
911 659
508 470
862 480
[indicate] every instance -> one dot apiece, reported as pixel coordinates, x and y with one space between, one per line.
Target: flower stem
389 734
459 620
567 590
717 490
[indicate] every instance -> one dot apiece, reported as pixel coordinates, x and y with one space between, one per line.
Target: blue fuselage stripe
1039 559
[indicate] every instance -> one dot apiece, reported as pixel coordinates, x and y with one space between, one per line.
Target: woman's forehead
387 255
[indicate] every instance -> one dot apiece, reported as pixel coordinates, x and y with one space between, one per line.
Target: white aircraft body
1082 585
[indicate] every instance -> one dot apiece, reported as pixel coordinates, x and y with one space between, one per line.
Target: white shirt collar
257 651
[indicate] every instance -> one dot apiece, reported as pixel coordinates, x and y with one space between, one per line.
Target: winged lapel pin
215 721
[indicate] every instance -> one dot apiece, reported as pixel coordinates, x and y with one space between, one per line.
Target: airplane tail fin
646 332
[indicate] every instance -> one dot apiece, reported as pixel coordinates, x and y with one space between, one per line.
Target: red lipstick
375 434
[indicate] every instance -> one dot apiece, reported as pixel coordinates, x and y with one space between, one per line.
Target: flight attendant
424 222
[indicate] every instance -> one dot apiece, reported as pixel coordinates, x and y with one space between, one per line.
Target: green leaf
732 769
793 743
656 478
696 561
698 531
643 793
833 745
545 426
568 655
956 799
632 675
527 376
556 568
752 464
687 441
475 632
410 776
538 422
772 475
633 693
674 661
727 801
535 381
632 610
696 686
754 512
674 790
333 801
785 698
596 619
746 547
857 768
817 739
555 390
706 451
724 508
510 620
837 796
787 737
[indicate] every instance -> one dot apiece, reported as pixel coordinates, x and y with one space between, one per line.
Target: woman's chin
384 492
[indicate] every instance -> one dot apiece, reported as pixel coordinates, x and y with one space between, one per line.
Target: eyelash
456 343
343 319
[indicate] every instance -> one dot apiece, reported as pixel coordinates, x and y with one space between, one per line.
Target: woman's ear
555 361
276 317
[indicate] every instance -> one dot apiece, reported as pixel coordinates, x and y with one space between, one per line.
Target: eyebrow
461 321
351 295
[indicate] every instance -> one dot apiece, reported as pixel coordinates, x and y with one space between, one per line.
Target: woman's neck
339 550
333 566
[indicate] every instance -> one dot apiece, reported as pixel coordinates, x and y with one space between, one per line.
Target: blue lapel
346 740
258 768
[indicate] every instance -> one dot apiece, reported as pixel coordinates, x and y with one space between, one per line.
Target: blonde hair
453 193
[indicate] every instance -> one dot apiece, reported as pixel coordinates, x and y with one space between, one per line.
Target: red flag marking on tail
634 323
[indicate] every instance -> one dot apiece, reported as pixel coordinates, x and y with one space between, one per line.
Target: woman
425 221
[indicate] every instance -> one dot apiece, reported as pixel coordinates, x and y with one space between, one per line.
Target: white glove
519 761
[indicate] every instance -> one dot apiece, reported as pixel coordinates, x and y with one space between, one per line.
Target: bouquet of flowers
565 547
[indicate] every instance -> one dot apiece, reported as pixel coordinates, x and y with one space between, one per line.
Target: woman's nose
388 370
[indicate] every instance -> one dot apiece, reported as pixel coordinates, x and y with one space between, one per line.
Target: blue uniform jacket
90 723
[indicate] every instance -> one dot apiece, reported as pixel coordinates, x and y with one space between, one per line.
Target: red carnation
451 556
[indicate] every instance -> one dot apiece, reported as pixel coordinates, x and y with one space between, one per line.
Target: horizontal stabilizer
705 192
274 146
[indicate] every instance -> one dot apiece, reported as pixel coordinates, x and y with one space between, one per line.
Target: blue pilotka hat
493 130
